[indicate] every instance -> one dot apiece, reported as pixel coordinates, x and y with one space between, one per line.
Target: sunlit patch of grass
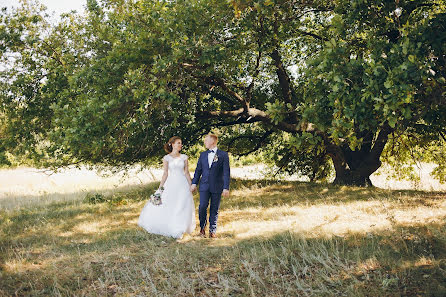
275 239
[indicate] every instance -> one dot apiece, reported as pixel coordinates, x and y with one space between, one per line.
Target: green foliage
410 152
110 88
302 155
94 198
381 66
115 199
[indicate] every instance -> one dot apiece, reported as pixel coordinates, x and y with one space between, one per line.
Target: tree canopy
308 82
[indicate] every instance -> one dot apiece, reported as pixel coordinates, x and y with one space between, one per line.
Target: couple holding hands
176 214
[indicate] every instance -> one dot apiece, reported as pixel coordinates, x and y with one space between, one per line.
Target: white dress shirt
211 156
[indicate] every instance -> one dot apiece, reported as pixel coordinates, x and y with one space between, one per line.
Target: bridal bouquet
155 198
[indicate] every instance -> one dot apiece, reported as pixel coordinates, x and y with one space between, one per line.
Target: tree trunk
351 180
353 168
356 177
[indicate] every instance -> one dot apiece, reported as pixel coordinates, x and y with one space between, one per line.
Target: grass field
275 239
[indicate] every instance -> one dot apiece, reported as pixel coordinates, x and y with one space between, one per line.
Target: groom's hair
215 137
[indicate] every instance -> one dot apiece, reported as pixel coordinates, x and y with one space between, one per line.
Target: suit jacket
213 179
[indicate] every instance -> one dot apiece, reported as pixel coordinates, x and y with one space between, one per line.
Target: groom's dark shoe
212 235
202 233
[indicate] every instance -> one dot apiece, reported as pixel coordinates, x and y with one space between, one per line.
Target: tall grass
25 187
275 239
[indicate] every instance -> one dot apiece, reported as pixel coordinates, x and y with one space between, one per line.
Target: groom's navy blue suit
213 181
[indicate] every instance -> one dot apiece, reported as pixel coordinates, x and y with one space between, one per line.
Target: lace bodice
176 165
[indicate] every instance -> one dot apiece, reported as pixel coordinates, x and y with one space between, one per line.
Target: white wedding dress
176 215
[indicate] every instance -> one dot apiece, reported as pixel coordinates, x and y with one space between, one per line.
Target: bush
94 198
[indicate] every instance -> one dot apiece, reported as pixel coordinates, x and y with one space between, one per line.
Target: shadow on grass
123 259
266 193
244 193
132 192
76 248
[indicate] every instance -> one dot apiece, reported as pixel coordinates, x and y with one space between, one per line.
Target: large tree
310 80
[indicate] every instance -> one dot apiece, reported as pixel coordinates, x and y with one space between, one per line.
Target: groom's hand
193 187
225 193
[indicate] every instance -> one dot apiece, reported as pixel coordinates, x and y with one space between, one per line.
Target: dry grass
275 239
25 187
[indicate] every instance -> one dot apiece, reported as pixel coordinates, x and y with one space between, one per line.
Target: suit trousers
214 198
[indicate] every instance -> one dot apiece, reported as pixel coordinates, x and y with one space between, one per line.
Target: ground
285 238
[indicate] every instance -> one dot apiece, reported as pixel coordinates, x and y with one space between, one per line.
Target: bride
176 215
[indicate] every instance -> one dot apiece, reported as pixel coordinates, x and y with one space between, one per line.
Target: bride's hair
168 145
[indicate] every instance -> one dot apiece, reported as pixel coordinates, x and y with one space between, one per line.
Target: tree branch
311 35
284 79
59 58
257 67
380 141
255 114
216 81
313 10
220 83
260 141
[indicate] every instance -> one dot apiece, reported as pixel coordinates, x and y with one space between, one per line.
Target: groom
213 168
